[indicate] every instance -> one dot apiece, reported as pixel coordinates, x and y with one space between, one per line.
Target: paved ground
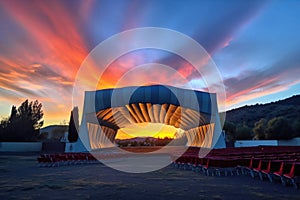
20 178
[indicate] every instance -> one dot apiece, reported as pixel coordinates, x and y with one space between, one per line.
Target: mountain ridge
288 108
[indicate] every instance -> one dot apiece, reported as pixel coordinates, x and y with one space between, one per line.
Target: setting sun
156 130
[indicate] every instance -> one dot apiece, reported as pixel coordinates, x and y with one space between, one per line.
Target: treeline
288 108
145 142
277 128
275 120
23 124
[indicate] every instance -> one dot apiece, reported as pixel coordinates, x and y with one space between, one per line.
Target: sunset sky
255 45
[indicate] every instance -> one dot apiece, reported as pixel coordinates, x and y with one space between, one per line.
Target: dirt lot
20 178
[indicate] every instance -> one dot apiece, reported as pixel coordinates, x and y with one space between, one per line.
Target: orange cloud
44 63
55 35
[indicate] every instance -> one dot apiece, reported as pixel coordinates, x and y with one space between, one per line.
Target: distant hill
136 139
288 108
148 141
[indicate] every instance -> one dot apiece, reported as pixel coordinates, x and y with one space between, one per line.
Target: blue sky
255 45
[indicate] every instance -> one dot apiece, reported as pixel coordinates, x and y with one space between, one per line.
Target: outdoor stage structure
106 111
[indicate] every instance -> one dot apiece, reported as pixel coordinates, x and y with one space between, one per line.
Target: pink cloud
55 35
44 63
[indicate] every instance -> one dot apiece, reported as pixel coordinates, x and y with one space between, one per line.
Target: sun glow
156 130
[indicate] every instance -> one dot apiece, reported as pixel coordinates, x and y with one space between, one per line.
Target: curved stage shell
106 111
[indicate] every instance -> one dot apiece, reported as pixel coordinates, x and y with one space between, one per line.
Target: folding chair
293 176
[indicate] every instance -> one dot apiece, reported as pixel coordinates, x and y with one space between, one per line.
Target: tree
230 130
24 123
278 128
259 129
296 128
13 114
243 132
37 115
3 127
73 125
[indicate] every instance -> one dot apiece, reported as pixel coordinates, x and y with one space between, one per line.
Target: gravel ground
21 178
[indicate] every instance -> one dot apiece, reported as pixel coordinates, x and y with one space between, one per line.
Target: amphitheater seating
273 166
262 165
294 174
62 159
54 160
274 163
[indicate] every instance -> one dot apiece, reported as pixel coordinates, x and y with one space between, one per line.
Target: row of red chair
62 159
285 170
266 162
54 160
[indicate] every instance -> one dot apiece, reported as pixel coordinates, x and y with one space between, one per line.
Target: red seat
293 175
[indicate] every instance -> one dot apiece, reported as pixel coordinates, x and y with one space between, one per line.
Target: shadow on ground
21 178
